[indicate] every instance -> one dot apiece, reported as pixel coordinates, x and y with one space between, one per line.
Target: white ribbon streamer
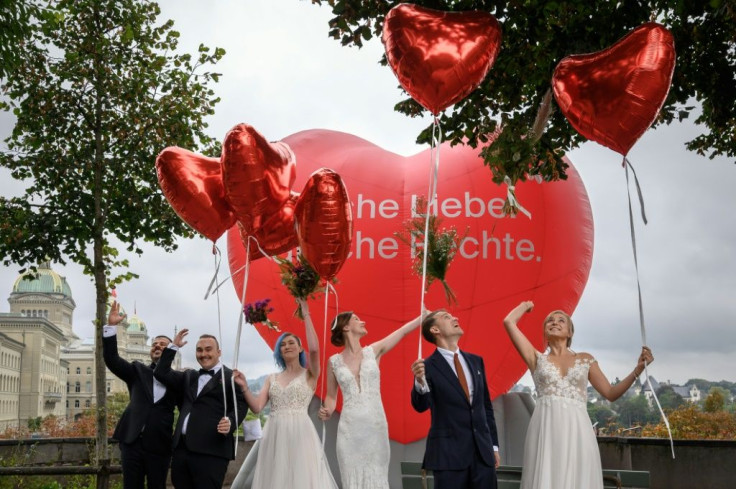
434 155
627 165
511 197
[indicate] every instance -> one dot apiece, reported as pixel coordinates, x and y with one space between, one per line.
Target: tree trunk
100 278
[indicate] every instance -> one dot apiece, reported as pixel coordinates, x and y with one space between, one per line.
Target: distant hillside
706 385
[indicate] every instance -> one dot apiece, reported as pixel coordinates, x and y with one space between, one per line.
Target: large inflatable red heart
614 95
440 57
502 261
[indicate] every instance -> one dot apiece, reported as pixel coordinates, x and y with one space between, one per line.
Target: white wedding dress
561 451
290 453
362 435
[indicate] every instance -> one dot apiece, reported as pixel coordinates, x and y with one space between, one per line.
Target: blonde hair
569 321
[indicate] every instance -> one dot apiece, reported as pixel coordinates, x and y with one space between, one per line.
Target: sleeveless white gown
362 435
290 453
561 451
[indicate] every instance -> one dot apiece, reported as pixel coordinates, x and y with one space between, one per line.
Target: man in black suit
203 440
462 444
144 430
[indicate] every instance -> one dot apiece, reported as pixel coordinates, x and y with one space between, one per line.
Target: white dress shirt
159 390
201 382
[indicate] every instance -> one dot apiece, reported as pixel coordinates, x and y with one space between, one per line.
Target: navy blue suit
462 434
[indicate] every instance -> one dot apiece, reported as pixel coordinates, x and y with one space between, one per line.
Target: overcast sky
282 74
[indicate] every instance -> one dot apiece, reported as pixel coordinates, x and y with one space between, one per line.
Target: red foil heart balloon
192 184
324 222
277 234
614 95
440 57
258 175
502 261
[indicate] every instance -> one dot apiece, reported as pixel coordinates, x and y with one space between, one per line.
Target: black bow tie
204 371
153 366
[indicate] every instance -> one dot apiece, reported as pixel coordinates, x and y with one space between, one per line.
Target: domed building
45 294
45 368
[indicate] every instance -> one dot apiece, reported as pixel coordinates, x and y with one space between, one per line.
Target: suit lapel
147 375
213 382
193 380
445 369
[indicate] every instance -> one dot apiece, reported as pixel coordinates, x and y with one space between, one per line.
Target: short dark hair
210 336
337 337
162 336
427 324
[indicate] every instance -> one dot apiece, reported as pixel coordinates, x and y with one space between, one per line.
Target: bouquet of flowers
299 277
257 312
441 246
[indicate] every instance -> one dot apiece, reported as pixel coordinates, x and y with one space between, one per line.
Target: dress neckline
283 387
359 378
558 369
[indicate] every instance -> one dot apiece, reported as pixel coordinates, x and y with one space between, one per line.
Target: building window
108 387
68 387
76 403
89 370
77 387
79 370
89 386
87 403
46 314
67 403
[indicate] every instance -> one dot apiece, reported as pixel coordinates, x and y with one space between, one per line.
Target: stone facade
45 368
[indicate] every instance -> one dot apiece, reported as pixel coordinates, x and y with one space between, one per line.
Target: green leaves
98 92
538 34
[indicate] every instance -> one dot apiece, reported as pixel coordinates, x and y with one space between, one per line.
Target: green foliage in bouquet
442 244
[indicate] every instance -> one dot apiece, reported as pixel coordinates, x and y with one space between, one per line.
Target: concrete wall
706 464
699 464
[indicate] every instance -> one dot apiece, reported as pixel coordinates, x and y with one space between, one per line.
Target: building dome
136 325
46 281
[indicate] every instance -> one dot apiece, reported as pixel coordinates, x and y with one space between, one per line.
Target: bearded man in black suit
145 428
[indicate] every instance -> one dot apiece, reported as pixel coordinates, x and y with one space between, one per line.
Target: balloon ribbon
627 164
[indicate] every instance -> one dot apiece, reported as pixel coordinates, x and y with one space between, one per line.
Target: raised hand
179 340
115 317
646 357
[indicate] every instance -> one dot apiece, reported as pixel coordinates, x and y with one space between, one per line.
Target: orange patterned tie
461 376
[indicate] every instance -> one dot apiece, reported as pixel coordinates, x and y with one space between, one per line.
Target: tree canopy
97 92
537 35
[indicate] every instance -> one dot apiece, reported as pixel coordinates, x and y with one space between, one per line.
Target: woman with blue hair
289 436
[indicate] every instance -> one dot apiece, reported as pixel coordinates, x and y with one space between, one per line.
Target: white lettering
525 250
387 248
359 241
371 206
464 253
452 207
388 209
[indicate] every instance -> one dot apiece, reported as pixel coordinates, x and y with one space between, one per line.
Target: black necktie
203 371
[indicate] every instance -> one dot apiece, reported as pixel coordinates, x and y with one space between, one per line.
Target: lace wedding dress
290 453
362 434
561 451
